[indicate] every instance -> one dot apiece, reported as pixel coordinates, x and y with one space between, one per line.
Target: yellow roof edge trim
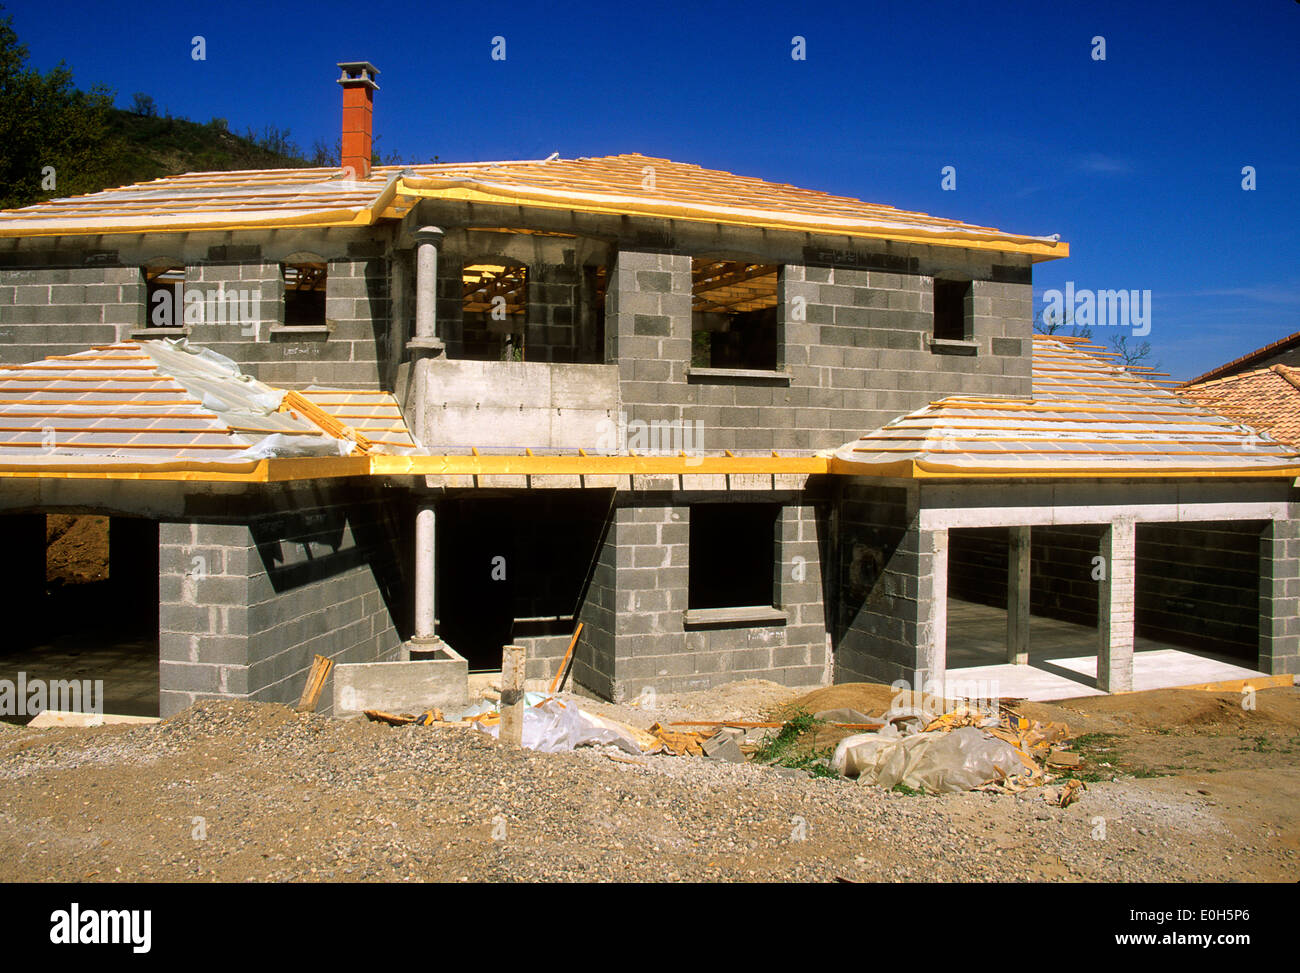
274 470
287 469
911 469
329 218
465 190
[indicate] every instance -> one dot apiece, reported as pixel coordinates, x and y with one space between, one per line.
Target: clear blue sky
1136 161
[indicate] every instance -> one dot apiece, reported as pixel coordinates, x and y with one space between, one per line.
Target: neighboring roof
1086 416
1245 361
630 184
163 404
1267 399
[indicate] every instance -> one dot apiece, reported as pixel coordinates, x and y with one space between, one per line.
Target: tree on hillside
53 137
143 104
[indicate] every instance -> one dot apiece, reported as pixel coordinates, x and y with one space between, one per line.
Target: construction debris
966 748
552 726
1065 795
431 717
1063 758
677 742
723 745
321 667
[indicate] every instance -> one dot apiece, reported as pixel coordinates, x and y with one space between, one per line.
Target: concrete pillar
1279 597
932 630
1115 608
424 575
1018 596
427 241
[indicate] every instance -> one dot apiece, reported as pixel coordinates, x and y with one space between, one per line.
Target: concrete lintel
1046 516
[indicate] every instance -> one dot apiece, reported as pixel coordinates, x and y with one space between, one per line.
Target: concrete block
403 687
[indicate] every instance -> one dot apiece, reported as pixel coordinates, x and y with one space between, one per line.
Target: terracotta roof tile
1267 398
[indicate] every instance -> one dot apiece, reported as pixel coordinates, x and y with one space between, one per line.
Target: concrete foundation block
403 687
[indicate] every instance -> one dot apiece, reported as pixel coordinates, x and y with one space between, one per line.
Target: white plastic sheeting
553 727
942 763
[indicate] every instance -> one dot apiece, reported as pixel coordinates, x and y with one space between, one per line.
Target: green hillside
144 147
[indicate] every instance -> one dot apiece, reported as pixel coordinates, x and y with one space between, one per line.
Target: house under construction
734 428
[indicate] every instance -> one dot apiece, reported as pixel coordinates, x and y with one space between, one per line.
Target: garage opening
1197 586
82 594
1196 602
1063 596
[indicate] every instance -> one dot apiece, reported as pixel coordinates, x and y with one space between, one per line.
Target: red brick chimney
359 89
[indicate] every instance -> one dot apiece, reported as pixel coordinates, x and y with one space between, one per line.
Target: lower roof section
168 411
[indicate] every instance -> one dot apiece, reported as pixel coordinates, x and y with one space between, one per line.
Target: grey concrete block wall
1061 558
1279 597
648 335
354 351
59 310
66 300
636 637
562 321
853 342
248 598
886 583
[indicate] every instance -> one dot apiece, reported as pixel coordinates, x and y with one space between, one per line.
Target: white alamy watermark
75 926
1085 308
658 437
31 697
212 305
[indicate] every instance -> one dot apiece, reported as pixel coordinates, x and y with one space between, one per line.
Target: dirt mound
1170 709
76 548
871 698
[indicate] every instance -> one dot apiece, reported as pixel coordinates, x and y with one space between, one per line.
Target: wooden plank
321 667
564 663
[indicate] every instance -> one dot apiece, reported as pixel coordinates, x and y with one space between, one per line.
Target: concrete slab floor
128 668
88 632
1062 659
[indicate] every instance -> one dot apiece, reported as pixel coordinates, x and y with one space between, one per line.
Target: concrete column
1018 596
932 630
424 574
1279 597
1115 608
427 241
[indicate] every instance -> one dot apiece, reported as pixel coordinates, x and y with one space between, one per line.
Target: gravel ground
234 791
